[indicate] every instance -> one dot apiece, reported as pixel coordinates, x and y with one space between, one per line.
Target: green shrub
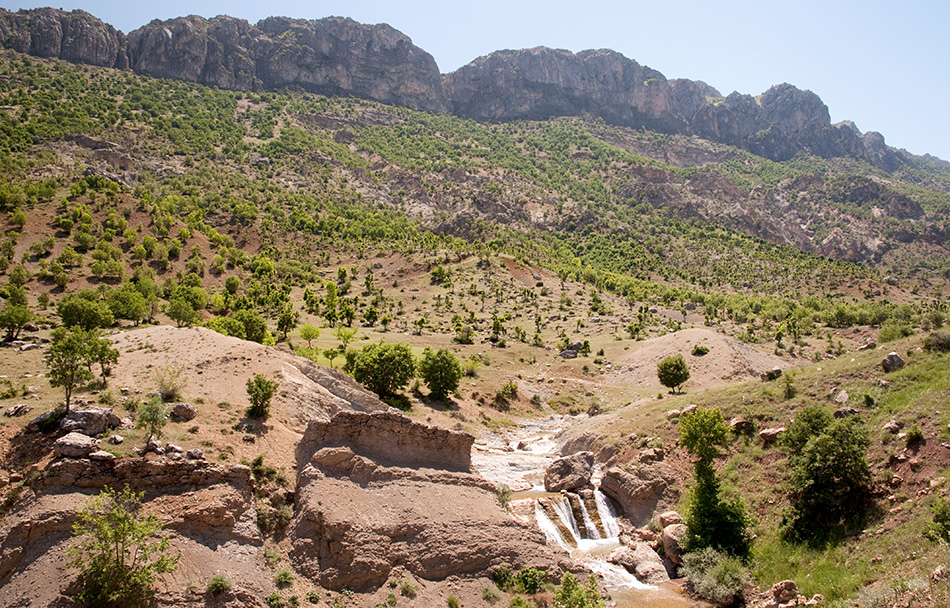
672 372
441 371
504 495
715 576
939 529
408 588
490 595
313 596
519 602
274 601
284 578
218 584
503 577
571 594
914 435
938 341
700 350
452 601
530 580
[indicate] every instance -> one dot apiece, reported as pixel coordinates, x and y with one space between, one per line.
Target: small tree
260 390
287 320
384 368
711 521
117 555
67 360
672 372
441 371
331 354
170 381
572 594
181 312
309 333
345 335
13 319
152 416
101 352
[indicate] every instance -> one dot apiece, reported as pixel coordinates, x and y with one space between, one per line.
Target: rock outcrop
570 472
360 512
90 420
332 56
641 561
639 494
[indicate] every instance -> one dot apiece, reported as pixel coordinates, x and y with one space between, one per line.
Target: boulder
103 456
784 591
689 409
42 420
568 354
90 420
892 427
773 374
673 537
640 493
116 439
641 561
741 426
570 472
769 436
842 397
195 454
75 445
673 414
892 362
652 455
668 518
17 410
844 412
183 412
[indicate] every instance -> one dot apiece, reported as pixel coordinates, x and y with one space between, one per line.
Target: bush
452 601
260 390
284 578
530 580
503 577
938 341
672 372
519 602
490 595
118 558
830 480
408 588
152 416
571 594
699 350
939 529
274 601
914 435
504 495
218 584
716 577
170 382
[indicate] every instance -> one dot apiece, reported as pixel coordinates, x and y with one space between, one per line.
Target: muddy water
518 457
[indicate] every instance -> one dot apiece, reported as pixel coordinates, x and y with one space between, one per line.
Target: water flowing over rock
641 561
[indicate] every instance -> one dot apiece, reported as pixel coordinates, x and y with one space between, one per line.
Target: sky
882 64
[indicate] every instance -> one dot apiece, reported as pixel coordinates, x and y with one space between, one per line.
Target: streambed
583 524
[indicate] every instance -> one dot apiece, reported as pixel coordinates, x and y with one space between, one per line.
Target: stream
583 524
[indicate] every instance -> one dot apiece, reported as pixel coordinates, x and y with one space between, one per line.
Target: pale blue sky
880 64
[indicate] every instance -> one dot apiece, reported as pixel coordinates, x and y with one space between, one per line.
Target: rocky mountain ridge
339 56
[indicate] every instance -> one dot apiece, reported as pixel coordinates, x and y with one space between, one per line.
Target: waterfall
592 531
547 526
615 576
563 509
607 515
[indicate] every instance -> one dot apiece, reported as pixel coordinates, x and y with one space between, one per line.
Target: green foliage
939 529
503 492
408 588
830 477
503 577
152 416
715 576
699 350
490 595
170 381
309 333
260 390
181 312
255 327
441 371
118 558
452 601
384 368
86 310
284 578
938 341
672 372
702 432
218 584
68 360
519 602
571 594
13 319
530 580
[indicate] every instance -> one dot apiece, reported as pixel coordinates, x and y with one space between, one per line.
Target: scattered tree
260 390
441 371
345 335
181 312
13 318
152 416
384 368
309 333
673 372
117 555
287 320
67 360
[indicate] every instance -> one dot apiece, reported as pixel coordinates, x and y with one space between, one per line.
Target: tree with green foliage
260 390
711 520
673 372
287 320
830 477
255 327
309 333
384 368
152 416
100 351
441 371
127 303
13 318
345 335
86 310
181 312
117 554
68 360
330 303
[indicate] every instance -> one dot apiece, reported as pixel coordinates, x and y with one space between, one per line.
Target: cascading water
583 524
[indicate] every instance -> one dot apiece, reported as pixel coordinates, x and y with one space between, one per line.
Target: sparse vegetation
218 584
672 372
260 391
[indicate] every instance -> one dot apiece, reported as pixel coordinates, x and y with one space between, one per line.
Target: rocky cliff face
332 56
338 56
541 82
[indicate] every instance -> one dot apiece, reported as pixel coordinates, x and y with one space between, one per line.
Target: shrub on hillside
938 341
715 576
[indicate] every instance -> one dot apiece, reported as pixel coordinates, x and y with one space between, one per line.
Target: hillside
559 254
